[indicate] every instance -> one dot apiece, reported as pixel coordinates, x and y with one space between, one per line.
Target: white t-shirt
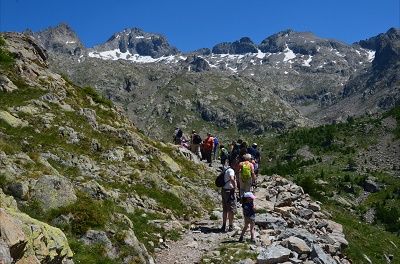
227 178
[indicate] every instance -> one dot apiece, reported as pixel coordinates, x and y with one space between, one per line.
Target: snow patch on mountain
116 54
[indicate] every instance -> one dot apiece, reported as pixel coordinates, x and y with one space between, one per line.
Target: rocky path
203 238
288 225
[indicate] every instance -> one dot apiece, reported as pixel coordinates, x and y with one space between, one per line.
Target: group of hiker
240 165
206 149
241 175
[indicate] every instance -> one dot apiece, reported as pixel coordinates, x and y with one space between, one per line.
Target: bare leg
230 216
252 229
244 229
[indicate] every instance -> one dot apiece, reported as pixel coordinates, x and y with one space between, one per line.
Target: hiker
243 150
228 197
249 215
256 157
223 156
208 148
177 136
216 146
246 175
194 145
235 151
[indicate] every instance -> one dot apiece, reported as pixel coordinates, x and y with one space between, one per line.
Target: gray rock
18 189
53 192
296 244
267 221
319 256
93 237
273 254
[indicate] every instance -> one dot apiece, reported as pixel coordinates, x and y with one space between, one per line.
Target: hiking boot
253 241
230 229
222 229
241 240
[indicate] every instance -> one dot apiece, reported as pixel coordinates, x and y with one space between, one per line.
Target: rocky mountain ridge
294 78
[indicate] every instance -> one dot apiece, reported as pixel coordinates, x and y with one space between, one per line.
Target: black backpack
196 139
220 180
179 134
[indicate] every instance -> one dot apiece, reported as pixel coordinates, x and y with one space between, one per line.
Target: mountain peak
61 39
136 41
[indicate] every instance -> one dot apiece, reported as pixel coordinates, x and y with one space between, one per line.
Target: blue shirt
248 209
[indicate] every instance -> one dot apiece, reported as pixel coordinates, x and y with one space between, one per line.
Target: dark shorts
227 203
249 219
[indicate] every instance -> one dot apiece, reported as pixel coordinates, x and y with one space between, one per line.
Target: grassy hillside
51 128
334 162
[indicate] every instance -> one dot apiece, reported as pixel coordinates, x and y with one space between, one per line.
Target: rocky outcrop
294 228
27 240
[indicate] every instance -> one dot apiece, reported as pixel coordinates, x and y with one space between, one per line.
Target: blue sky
190 25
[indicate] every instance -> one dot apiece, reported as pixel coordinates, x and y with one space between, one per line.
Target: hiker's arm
232 179
253 175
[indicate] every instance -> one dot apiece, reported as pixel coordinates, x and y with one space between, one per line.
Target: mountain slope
72 159
291 79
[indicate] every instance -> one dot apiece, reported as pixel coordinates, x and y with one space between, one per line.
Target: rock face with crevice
27 240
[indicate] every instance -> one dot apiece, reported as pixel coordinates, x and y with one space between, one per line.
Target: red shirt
209 143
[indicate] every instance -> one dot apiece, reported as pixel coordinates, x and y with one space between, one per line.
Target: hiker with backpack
223 156
177 136
246 175
228 197
195 141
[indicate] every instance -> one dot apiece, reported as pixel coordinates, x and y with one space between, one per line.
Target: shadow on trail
230 241
206 230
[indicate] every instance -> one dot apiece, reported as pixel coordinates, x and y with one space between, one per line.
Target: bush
86 214
96 97
389 217
5 58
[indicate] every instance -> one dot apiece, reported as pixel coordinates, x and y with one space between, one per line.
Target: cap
249 195
254 144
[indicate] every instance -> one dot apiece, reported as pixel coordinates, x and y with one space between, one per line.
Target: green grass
365 238
6 59
96 97
336 162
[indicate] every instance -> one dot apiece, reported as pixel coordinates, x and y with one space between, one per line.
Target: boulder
274 254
